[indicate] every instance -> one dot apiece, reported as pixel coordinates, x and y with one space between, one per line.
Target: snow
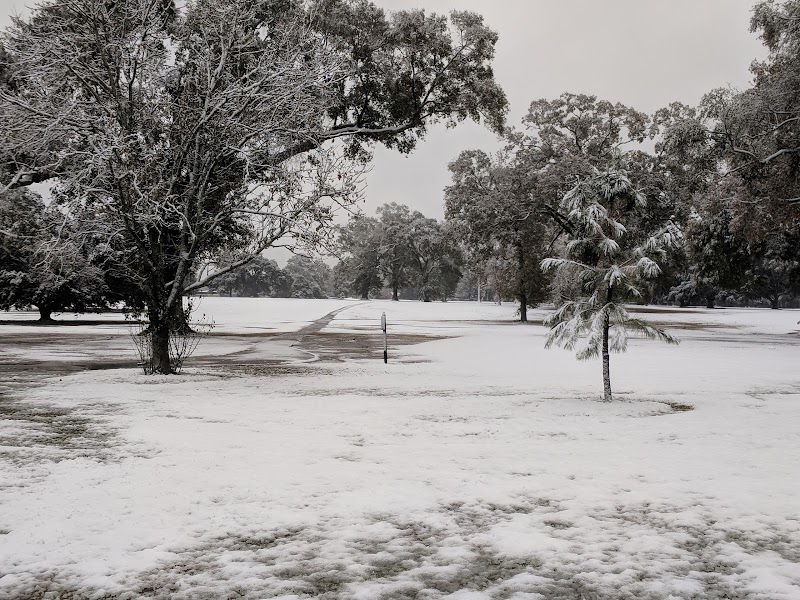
475 464
274 314
240 315
753 320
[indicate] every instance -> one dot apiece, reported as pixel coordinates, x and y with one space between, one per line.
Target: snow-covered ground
474 465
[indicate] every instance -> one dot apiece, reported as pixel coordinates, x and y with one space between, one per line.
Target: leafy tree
567 137
609 270
360 241
311 277
757 131
448 270
432 253
45 259
207 128
494 206
259 277
583 127
341 279
726 265
394 256
507 207
774 272
719 257
737 158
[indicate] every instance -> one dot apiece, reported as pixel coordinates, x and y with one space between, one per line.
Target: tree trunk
161 321
364 295
425 277
606 365
395 297
710 300
774 303
161 362
606 356
523 297
45 313
160 348
179 321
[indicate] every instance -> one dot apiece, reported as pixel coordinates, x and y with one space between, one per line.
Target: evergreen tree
610 270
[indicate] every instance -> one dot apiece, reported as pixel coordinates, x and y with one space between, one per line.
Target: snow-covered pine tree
610 268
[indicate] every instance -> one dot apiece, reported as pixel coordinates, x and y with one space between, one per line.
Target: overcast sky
644 53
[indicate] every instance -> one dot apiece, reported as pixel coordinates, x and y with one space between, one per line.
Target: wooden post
385 346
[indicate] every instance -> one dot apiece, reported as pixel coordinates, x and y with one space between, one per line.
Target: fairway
288 461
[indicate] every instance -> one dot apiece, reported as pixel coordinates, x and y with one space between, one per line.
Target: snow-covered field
288 461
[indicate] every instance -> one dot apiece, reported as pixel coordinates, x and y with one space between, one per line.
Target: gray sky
644 53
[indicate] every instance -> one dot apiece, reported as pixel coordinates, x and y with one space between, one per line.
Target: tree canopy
204 127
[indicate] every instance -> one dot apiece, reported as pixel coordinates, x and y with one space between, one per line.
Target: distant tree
448 271
341 278
494 208
774 272
467 287
259 277
430 249
310 277
46 260
394 256
610 271
718 256
360 243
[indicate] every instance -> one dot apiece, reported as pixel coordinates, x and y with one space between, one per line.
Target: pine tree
609 267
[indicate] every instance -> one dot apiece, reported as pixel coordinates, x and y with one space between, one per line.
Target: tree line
400 248
726 173
400 251
723 176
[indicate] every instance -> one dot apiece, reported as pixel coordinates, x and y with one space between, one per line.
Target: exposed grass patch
413 559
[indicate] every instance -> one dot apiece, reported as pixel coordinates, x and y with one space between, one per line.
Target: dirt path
316 345
28 358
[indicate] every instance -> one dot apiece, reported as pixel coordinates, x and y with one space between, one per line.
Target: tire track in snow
314 328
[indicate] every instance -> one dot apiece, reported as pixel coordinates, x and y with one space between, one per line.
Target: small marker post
385 346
